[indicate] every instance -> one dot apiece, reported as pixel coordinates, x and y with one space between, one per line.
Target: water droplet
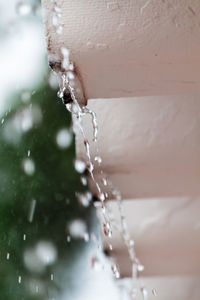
64 138
68 238
80 165
65 61
29 166
23 8
115 271
96 264
102 197
107 229
140 268
98 159
25 96
133 293
105 182
85 199
86 237
84 180
55 20
154 292
59 29
77 228
110 247
144 293
31 210
46 252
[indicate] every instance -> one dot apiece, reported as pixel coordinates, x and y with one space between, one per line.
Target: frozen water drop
68 238
8 256
19 279
64 138
24 237
52 277
2 120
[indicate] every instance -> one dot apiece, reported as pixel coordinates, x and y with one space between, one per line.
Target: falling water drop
115 271
77 228
107 229
25 96
29 166
96 264
105 182
144 293
140 268
85 199
79 165
46 252
64 138
84 180
23 8
98 159
154 292
31 210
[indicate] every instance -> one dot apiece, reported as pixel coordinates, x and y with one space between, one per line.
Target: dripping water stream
78 111
68 82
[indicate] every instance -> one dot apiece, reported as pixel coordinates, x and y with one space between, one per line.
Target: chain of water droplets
67 79
77 113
